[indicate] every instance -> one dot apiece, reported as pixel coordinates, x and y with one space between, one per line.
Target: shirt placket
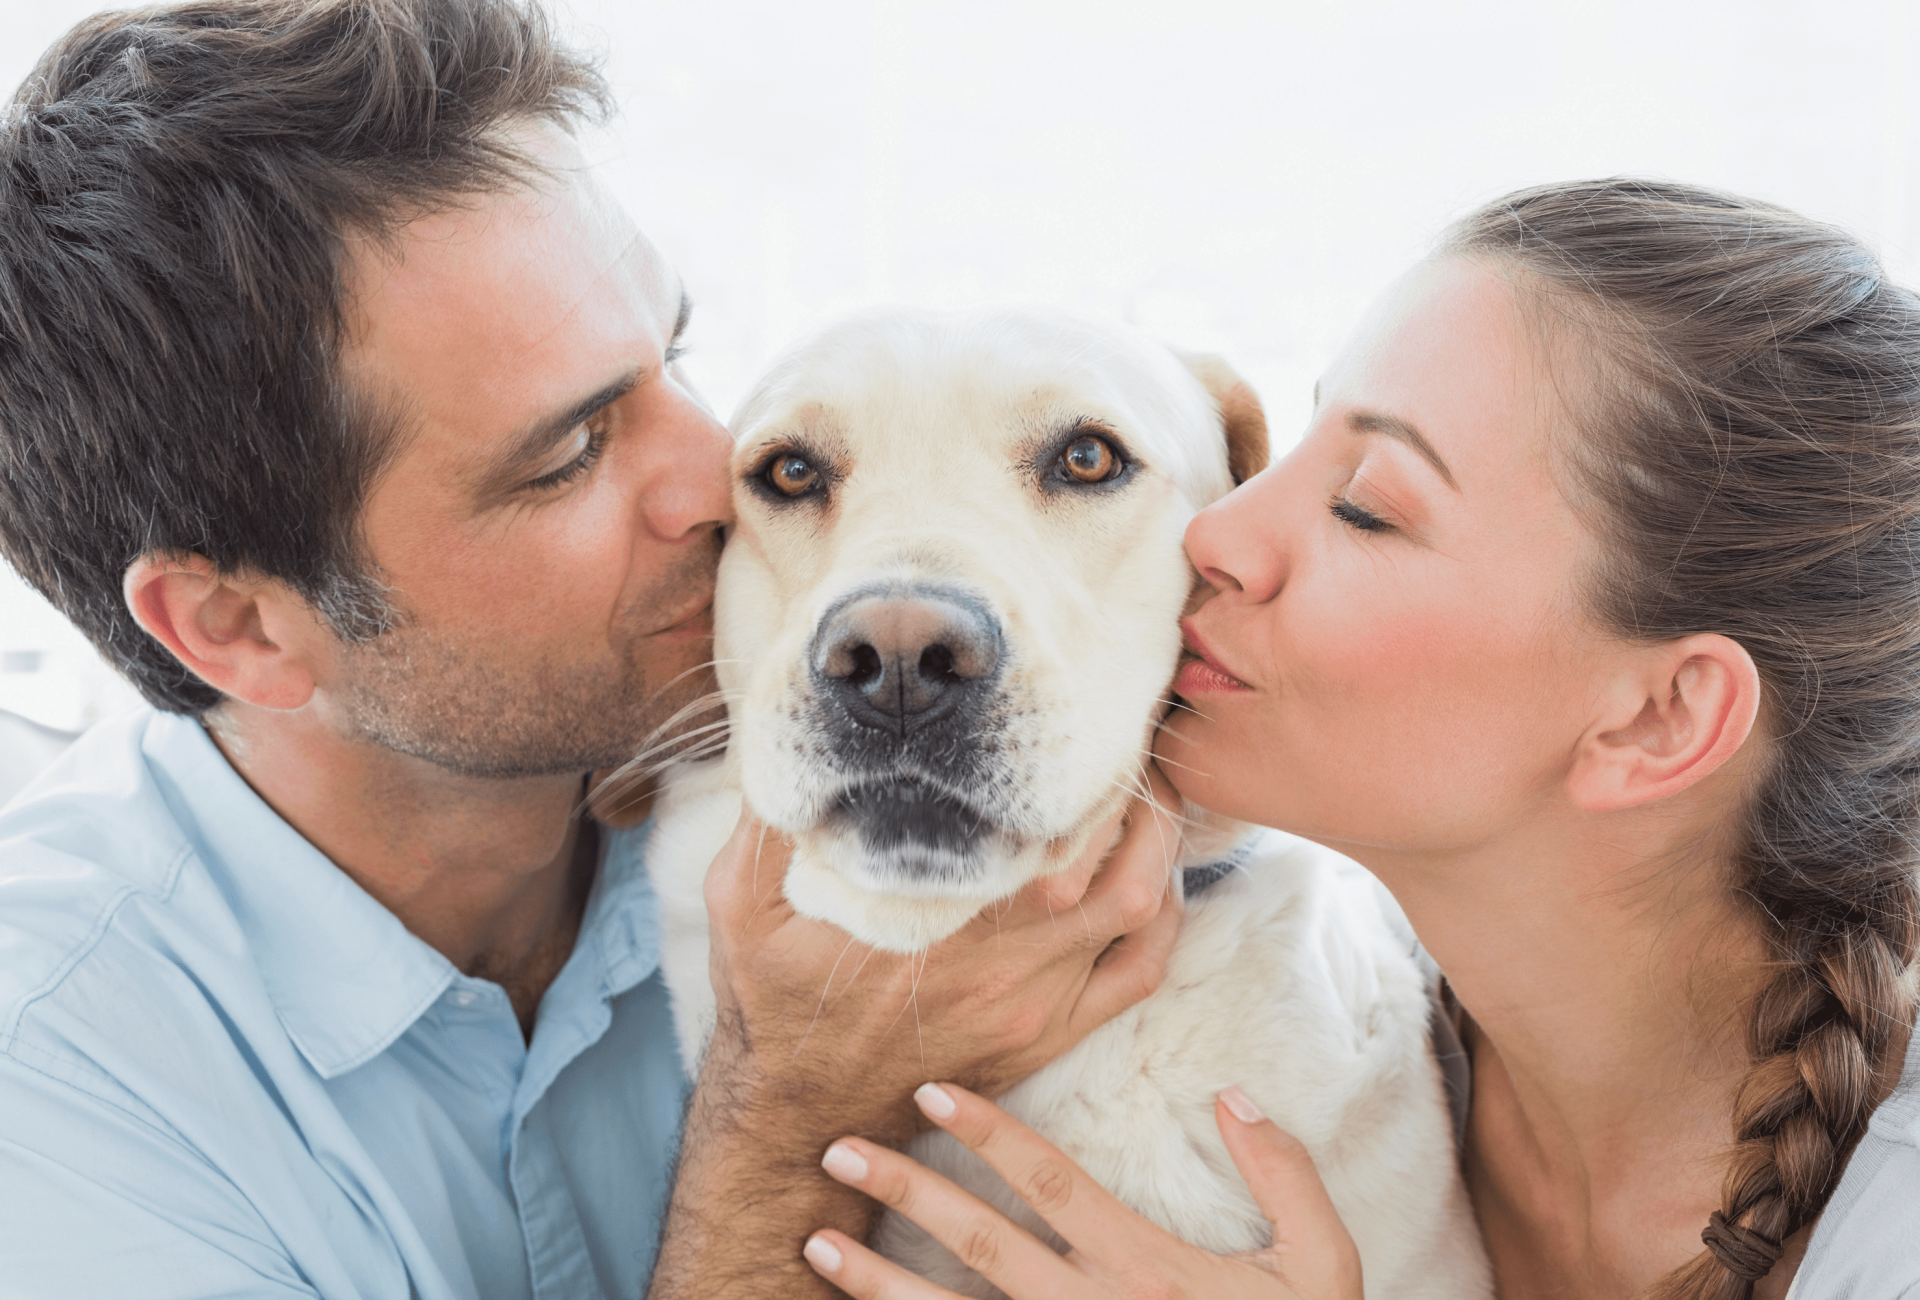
573 1016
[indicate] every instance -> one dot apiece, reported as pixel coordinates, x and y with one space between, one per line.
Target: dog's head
949 610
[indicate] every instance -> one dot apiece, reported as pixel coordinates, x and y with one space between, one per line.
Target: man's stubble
448 701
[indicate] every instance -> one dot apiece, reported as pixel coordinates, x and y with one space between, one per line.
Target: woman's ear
1240 412
232 633
1678 712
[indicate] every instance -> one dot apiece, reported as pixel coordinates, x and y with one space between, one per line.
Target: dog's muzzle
906 677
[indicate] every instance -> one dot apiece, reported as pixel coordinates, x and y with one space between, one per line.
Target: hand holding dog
1116 1253
817 1035
989 1006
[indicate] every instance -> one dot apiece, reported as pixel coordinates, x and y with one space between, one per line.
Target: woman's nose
1238 542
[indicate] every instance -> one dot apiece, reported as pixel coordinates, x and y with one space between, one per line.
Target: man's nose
902 656
691 491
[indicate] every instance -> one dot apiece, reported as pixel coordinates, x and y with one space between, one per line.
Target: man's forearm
750 1189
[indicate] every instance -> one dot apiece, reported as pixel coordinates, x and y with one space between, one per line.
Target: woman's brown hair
1751 449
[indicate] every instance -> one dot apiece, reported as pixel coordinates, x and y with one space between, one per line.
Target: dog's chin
891 900
891 922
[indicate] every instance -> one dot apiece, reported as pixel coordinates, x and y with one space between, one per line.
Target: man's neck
491 872
1609 1003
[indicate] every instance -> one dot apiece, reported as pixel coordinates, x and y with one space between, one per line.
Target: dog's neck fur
1212 848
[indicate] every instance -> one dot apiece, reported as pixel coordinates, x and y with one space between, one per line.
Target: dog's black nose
900 656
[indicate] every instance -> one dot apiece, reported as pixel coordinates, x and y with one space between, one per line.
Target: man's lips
697 623
1202 673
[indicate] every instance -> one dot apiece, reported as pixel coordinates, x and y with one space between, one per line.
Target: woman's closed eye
1356 518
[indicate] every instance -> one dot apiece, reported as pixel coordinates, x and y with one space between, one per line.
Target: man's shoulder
149 1094
91 835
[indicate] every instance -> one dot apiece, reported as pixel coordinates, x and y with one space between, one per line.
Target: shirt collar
346 977
621 925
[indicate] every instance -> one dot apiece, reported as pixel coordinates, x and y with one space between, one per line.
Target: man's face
551 521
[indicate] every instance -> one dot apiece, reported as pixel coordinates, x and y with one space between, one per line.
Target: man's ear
1678 712
1240 411
234 634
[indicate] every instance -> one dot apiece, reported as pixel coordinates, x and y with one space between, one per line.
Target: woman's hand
1116 1253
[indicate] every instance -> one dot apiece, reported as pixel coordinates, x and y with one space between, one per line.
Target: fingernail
936 1101
1241 1105
821 1254
844 1163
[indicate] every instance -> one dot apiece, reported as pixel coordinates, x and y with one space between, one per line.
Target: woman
1587 615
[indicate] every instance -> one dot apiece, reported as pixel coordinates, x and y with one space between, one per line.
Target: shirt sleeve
97 1201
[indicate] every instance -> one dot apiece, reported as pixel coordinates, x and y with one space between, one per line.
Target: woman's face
1392 656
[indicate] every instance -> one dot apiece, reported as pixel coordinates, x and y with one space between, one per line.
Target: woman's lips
1203 674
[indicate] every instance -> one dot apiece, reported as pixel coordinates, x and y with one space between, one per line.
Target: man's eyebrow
545 433
1394 427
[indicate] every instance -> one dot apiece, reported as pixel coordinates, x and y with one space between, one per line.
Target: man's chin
482 723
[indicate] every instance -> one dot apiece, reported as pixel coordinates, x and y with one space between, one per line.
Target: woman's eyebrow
1394 427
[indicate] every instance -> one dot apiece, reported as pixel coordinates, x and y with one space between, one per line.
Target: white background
1235 176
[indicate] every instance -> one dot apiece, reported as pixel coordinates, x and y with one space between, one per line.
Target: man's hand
818 1036
800 1001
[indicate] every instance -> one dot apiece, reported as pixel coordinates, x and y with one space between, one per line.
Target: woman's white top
1867 1243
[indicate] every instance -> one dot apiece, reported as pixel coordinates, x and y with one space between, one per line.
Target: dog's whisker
680 738
855 975
665 736
1160 725
674 751
758 849
662 750
627 778
686 673
822 1005
913 989
1170 762
1179 819
918 1032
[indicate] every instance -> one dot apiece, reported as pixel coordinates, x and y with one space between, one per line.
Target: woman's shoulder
1864 1243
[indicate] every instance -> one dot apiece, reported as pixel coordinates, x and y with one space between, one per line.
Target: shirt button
465 998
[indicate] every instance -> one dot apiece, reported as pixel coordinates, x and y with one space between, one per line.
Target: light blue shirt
225 1071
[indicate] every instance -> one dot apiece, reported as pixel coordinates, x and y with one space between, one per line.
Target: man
339 405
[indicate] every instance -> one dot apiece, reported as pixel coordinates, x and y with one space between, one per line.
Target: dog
946 622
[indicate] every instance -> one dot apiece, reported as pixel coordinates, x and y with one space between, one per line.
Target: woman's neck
1608 979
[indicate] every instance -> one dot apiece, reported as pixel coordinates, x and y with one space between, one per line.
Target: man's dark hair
177 191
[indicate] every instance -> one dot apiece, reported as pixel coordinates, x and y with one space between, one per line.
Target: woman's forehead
1448 351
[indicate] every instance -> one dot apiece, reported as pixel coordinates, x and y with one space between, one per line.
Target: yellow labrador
946 623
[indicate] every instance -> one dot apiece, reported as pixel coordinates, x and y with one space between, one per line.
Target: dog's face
949 611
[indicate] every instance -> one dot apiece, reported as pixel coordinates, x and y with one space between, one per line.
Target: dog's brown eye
1091 460
792 474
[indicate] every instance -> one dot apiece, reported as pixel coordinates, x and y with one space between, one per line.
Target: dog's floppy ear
1240 410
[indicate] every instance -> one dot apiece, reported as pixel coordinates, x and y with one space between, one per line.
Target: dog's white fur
1288 977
